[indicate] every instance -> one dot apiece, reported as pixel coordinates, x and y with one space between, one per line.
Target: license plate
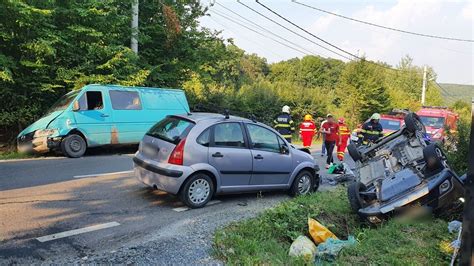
150 151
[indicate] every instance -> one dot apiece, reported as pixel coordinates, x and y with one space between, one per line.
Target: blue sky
452 61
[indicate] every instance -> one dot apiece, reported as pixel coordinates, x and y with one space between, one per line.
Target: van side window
91 100
125 100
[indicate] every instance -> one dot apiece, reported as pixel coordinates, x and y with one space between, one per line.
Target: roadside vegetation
266 239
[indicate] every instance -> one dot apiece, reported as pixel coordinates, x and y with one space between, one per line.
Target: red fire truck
437 121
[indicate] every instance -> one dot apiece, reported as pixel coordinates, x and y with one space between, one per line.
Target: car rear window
171 129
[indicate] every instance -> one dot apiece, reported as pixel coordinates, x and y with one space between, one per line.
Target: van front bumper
165 177
38 145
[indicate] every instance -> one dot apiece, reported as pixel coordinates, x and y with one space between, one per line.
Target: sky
452 61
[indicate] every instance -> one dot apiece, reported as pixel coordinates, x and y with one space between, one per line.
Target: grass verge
10 155
266 238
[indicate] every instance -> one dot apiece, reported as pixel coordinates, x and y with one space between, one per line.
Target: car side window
263 139
228 135
91 100
204 138
125 100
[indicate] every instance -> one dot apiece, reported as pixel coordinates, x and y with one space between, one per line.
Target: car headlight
45 133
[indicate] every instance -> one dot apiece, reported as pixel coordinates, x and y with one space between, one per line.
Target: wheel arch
78 132
210 172
303 166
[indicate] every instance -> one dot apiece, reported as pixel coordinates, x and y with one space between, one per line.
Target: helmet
285 109
375 116
308 117
329 115
341 120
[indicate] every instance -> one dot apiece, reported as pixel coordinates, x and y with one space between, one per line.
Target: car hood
41 123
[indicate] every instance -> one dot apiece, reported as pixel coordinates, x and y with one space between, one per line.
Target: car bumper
39 145
427 194
165 177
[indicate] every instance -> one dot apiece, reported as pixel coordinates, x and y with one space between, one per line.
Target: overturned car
400 171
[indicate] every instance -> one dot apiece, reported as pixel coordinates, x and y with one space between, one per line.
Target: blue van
99 115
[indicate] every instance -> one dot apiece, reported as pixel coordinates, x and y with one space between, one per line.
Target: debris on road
319 232
303 247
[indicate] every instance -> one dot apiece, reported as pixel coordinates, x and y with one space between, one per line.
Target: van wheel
355 200
303 184
354 152
73 146
197 191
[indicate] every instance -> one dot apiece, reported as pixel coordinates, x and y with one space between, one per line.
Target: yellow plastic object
319 232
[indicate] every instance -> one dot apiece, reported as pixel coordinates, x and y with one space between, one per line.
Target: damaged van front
46 133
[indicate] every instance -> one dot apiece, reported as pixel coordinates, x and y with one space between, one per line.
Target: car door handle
258 157
218 154
104 115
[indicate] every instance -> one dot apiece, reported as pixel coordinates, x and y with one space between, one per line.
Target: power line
259 33
384 27
288 29
266 30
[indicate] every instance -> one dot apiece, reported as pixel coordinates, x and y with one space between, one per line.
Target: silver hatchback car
199 155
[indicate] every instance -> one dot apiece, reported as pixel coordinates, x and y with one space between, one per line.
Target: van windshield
171 129
63 102
431 121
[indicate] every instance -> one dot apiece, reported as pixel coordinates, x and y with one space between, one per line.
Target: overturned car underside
399 171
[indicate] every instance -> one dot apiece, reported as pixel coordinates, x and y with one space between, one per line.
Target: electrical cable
259 33
270 32
383 27
292 31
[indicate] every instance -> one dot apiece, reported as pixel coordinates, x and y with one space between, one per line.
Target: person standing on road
331 129
284 123
371 130
323 145
307 131
345 133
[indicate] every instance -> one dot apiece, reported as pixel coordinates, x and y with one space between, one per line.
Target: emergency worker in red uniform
345 135
307 131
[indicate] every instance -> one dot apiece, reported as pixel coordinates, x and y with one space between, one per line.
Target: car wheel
435 158
303 184
354 152
73 146
355 200
413 123
197 191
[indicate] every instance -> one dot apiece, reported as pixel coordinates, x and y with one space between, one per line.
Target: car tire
354 152
355 200
303 184
413 123
435 158
73 146
197 191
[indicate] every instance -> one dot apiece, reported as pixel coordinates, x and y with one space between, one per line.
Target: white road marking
76 231
182 209
104 174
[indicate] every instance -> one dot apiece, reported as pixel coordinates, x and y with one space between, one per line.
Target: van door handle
104 115
258 157
218 154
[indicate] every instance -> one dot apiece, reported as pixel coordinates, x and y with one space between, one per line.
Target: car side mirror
284 149
75 106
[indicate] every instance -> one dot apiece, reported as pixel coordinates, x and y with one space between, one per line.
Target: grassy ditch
266 239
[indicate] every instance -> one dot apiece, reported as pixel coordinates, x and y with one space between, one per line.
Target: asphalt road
40 198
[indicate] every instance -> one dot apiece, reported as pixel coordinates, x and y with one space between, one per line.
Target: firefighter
371 130
307 131
284 124
345 135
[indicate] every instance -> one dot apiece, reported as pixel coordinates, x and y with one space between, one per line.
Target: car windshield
171 129
431 121
63 102
390 124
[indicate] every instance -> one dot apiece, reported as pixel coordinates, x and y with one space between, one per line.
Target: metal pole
134 39
423 91
467 242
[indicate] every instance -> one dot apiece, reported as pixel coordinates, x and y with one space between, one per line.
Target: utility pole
423 90
134 39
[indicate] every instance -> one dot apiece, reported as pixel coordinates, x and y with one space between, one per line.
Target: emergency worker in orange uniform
345 135
307 130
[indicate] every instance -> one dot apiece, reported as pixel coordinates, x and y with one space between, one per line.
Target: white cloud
322 23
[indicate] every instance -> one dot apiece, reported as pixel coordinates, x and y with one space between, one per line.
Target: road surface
92 210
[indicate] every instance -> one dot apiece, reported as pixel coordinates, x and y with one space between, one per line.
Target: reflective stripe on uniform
282 125
307 129
286 136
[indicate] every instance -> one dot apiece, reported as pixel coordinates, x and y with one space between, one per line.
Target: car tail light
177 155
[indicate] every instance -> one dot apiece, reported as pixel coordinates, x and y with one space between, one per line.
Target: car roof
211 117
